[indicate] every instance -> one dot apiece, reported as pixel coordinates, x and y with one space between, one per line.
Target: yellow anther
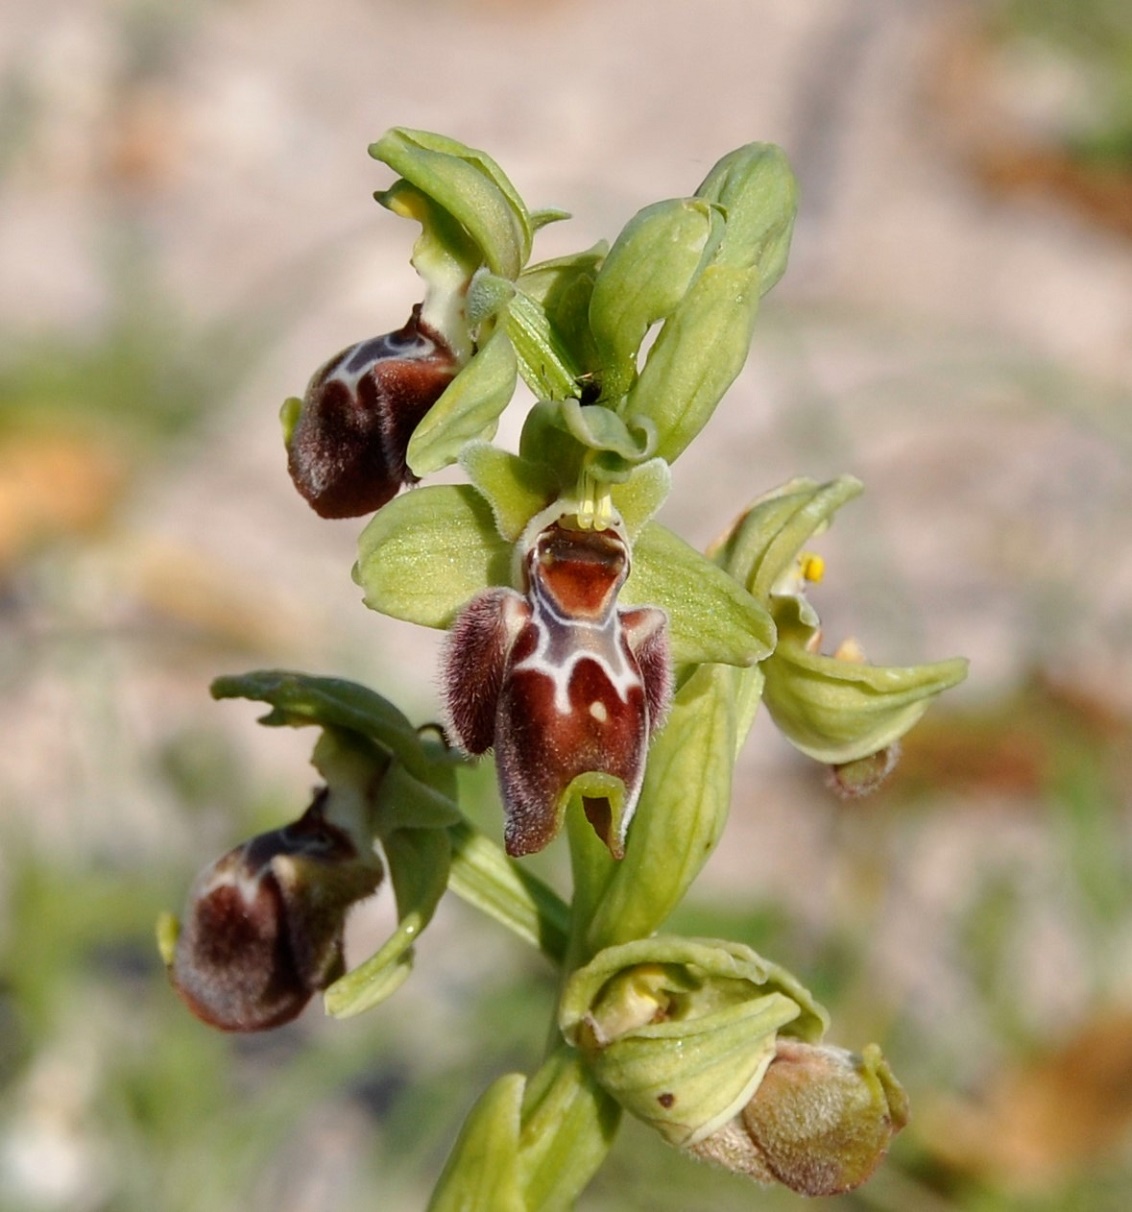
812 567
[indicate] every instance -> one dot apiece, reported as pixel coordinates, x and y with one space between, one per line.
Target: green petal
765 541
470 186
642 494
427 552
647 272
469 407
757 191
696 356
837 710
710 616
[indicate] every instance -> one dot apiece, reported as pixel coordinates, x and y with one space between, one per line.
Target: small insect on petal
263 926
346 449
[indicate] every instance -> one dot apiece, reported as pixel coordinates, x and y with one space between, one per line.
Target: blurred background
187 231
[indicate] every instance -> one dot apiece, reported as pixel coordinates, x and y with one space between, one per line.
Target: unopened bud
820 1121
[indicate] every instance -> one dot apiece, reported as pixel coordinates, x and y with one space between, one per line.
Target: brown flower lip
263 928
346 453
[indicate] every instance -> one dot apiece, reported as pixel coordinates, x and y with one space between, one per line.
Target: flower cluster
613 671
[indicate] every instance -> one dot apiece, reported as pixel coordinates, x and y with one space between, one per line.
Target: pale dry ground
969 358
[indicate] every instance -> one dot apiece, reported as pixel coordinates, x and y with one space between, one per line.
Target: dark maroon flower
563 683
262 931
346 447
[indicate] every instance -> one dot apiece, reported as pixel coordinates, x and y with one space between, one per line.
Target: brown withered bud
346 447
820 1121
262 930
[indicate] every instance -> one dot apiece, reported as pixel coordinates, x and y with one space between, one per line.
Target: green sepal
426 553
544 363
711 618
696 356
680 1031
646 273
763 544
299 699
469 407
681 813
470 186
482 1171
836 710
759 195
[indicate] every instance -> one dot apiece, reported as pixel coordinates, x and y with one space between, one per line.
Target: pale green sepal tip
470 186
547 215
698 353
469 407
428 552
516 489
756 188
836 710
646 273
711 618
766 540
369 984
482 1171
289 414
167 929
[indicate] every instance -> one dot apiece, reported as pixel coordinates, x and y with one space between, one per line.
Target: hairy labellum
262 931
562 683
346 452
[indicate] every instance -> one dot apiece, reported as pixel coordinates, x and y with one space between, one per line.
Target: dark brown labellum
262 931
346 453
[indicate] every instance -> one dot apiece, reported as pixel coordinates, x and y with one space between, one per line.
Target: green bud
681 1031
820 1121
758 194
649 269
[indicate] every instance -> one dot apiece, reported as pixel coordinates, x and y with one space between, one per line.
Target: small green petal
756 189
710 616
837 710
765 541
696 356
469 407
647 272
516 488
428 552
470 186
642 494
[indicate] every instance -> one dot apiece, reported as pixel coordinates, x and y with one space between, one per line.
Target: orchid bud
681 1031
820 1121
562 682
347 438
262 931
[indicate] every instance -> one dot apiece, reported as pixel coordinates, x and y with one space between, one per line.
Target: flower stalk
612 671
